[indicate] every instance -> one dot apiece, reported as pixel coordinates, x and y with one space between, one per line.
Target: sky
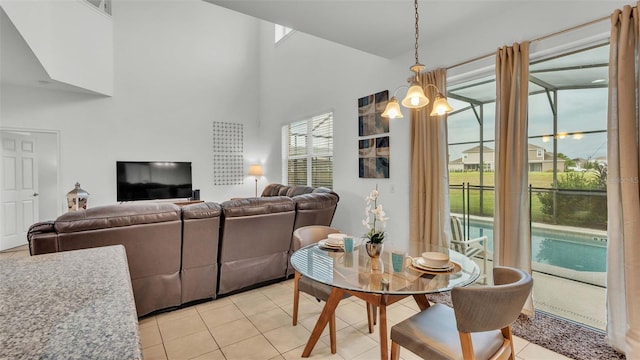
578 111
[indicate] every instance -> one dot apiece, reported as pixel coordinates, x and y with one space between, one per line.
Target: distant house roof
456 161
476 149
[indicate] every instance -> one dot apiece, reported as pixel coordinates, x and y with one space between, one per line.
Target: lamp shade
415 98
392 111
255 170
440 106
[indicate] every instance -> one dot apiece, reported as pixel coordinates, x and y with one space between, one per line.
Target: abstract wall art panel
228 153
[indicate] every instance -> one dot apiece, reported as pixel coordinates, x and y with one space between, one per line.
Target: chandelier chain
415 2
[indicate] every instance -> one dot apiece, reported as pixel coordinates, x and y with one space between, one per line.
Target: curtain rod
534 40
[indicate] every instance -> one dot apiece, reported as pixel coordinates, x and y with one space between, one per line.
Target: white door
19 208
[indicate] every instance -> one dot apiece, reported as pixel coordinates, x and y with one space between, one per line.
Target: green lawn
536 179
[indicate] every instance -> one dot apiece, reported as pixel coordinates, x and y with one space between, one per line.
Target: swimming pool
570 250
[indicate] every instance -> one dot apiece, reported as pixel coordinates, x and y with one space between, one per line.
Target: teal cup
348 244
398 261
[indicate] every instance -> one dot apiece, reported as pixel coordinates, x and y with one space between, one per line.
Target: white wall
304 76
72 39
179 66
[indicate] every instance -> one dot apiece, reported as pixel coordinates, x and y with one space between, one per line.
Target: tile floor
257 325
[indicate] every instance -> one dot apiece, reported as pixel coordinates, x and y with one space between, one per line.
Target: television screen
153 180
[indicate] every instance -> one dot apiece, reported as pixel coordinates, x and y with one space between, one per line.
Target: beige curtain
623 186
429 194
511 230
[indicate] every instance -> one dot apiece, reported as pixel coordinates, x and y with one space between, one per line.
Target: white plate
325 244
420 264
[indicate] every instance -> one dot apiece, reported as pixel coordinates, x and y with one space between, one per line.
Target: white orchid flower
375 217
374 194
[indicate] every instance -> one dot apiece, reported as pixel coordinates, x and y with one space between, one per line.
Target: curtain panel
511 226
429 186
623 185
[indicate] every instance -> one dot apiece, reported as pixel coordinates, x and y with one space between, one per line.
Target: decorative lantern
77 198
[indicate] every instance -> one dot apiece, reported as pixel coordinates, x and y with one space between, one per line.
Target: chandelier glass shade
416 98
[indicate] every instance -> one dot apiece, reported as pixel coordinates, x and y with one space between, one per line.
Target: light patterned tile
155 352
150 336
536 352
257 305
176 314
255 348
214 355
222 315
279 294
519 344
320 351
287 337
306 308
181 327
372 353
190 346
271 319
148 321
247 295
352 312
233 332
243 337
310 323
213 304
351 343
398 312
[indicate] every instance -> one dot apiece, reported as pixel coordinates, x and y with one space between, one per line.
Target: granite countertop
68 305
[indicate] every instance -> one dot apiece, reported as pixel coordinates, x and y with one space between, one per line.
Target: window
281 32
567 143
309 152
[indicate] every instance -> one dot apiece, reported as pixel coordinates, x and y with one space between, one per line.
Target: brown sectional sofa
163 272
181 254
255 241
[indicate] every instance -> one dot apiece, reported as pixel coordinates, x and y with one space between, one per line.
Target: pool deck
578 301
579 296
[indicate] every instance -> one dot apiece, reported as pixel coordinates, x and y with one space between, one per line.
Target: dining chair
305 236
468 247
478 326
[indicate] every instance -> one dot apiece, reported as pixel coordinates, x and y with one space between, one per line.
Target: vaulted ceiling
386 27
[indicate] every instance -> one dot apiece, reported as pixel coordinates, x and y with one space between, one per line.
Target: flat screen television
153 180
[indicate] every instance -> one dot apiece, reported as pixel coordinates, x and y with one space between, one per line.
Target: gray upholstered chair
478 326
302 237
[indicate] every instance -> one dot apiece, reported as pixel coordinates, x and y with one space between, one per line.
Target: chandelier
415 98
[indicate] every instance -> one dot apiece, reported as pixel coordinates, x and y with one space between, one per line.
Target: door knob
36 194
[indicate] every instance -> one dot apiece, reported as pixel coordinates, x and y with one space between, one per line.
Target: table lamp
255 170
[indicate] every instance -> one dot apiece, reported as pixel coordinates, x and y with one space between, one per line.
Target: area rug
561 336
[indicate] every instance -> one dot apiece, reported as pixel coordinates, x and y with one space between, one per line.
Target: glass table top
357 271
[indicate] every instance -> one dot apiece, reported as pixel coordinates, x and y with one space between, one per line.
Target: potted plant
375 222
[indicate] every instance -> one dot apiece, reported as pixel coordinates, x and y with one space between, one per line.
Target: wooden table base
377 300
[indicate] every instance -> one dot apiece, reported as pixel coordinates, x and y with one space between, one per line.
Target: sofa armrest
42 238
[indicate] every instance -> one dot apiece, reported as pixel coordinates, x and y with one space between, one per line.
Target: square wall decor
370 109
228 153
373 149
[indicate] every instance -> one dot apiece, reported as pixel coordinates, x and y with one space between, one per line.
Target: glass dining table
375 281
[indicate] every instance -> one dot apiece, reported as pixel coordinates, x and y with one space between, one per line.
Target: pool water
555 247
